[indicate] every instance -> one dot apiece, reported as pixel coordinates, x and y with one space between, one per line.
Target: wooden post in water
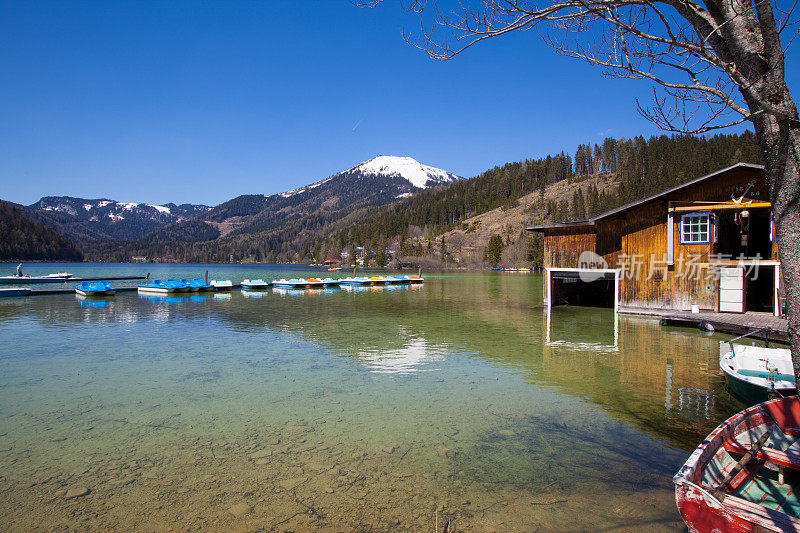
206 277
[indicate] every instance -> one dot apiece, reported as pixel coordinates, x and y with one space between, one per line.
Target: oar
719 493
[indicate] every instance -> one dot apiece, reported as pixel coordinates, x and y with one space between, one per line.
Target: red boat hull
703 516
710 504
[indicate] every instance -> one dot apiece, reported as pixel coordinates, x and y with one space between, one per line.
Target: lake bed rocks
240 509
76 492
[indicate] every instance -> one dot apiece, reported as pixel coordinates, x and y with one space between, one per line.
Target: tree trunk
780 143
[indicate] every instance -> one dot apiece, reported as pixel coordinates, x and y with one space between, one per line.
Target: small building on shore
708 244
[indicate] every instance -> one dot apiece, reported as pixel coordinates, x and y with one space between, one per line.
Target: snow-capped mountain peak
408 168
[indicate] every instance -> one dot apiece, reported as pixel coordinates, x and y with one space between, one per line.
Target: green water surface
459 402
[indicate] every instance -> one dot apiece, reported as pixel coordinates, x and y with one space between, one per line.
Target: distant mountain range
257 224
132 229
84 220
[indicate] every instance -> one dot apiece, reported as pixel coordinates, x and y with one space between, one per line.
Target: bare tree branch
701 55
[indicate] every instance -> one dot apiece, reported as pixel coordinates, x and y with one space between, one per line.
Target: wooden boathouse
706 245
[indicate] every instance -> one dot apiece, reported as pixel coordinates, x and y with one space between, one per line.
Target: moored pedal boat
294 283
187 285
254 284
753 373
359 280
198 285
744 475
183 285
222 285
157 286
97 288
313 283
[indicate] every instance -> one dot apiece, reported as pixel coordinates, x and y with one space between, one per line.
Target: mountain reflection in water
414 356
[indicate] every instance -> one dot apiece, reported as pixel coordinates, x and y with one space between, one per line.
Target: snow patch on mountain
287 194
61 208
408 168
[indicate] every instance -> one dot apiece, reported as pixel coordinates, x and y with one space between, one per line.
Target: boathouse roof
608 214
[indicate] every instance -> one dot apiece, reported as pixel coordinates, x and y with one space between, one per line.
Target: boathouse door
731 290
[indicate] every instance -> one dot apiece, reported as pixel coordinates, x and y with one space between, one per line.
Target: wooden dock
733 323
34 281
40 292
117 278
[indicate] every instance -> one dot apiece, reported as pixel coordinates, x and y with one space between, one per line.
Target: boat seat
790 458
766 375
761 515
763 374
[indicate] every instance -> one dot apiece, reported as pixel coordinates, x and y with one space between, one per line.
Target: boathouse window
696 228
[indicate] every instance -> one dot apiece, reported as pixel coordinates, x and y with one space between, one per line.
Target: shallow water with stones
458 403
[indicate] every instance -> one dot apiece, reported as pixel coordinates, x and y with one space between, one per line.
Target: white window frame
699 225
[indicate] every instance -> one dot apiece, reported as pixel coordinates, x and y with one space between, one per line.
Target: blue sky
199 102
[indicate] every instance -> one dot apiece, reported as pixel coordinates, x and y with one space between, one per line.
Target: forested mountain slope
23 239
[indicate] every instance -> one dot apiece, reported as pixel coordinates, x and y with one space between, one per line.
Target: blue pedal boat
96 288
159 287
183 285
198 285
